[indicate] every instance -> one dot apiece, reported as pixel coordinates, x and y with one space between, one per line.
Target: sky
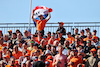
17 11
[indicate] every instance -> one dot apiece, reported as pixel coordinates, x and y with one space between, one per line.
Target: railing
69 26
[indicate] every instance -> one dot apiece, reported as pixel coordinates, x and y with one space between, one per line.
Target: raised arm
33 17
48 17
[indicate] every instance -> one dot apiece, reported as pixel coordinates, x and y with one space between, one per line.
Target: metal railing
69 26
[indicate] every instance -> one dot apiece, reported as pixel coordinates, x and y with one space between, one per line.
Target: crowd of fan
51 49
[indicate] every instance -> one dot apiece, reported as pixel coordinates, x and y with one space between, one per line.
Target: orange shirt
36 39
51 41
76 61
9 66
40 24
48 38
1 48
17 55
58 39
28 51
94 37
70 39
88 39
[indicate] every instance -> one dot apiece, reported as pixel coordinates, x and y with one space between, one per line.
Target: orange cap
61 23
10 31
93 50
7 56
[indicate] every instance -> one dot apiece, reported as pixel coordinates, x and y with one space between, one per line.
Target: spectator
42 45
61 28
32 42
87 30
36 55
40 62
53 51
6 58
88 47
13 38
11 63
4 51
35 47
20 45
70 38
39 37
45 38
82 34
48 35
19 39
10 33
5 38
75 60
9 53
82 43
75 44
95 42
94 34
76 32
41 23
56 43
27 58
21 58
16 53
33 37
60 38
89 36
9 45
25 45
26 37
93 60
66 46
52 39
60 59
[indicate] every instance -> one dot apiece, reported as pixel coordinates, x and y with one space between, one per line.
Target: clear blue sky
63 10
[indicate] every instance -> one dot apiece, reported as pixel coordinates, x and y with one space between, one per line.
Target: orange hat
10 31
6 56
61 23
49 57
93 49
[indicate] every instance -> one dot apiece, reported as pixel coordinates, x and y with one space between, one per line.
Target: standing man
61 28
60 60
41 23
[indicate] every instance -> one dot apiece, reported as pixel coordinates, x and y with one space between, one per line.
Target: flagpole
30 13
